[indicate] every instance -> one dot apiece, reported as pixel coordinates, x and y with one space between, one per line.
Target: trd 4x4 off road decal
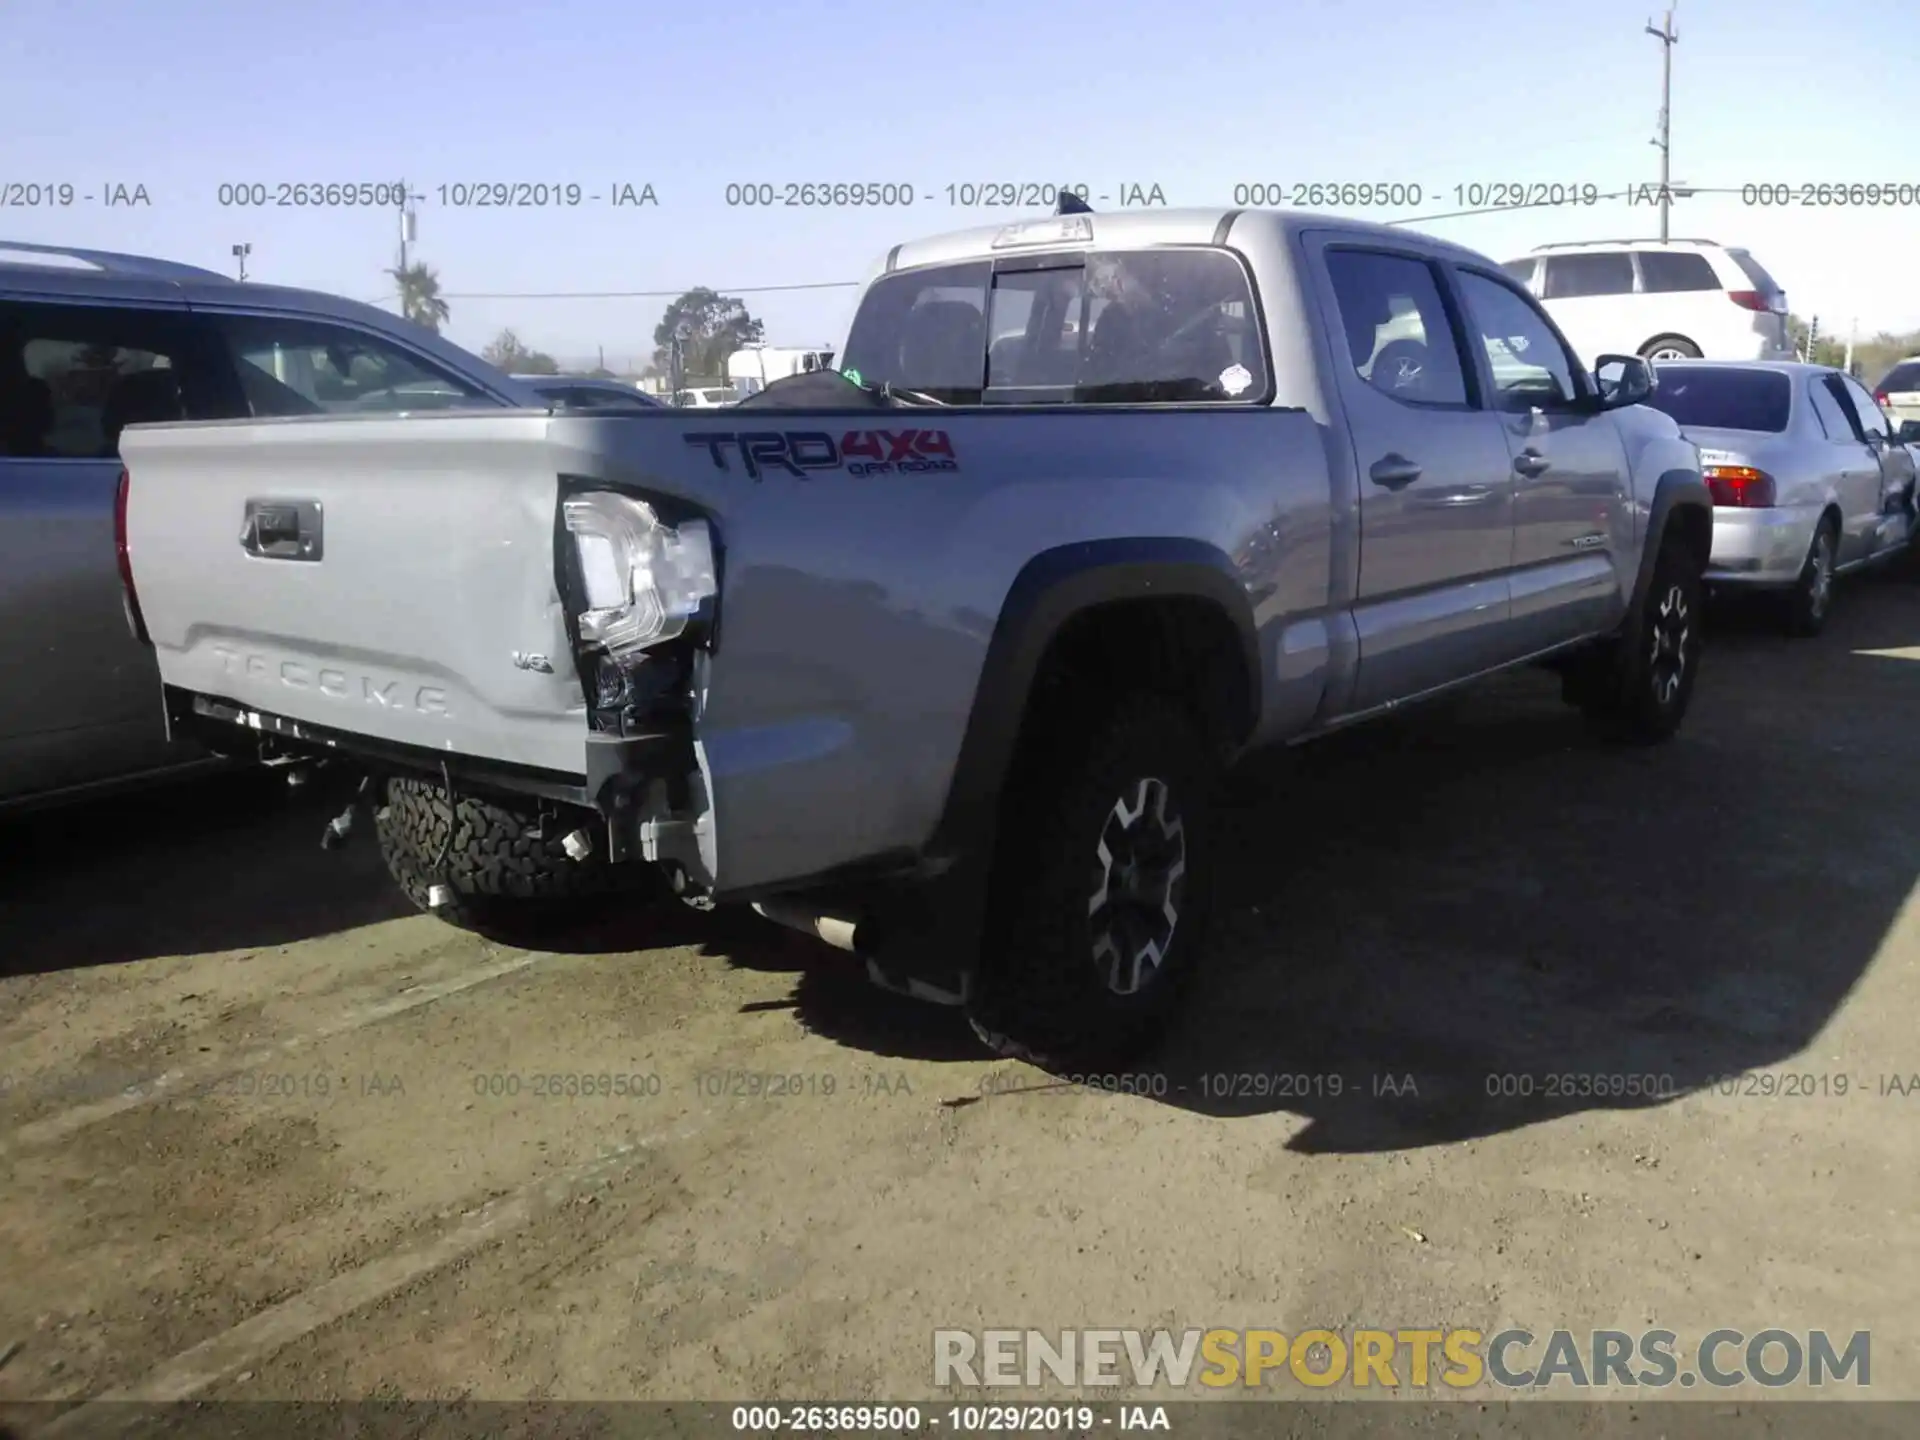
858 452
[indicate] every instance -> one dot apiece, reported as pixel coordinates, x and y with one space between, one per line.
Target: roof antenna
1071 203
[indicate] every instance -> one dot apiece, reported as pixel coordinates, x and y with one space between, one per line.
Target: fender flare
1676 490
1051 589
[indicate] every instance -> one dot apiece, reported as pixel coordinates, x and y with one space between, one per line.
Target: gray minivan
91 342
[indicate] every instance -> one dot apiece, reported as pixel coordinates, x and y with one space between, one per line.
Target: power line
639 294
1680 191
1504 209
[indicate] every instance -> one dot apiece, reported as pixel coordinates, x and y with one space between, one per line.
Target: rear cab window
1170 325
1725 399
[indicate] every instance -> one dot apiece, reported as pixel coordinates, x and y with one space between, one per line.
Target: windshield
1724 398
1129 327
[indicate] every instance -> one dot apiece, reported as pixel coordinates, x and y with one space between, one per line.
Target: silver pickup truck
940 656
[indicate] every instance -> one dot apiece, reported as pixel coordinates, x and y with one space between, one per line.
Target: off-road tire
1041 994
509 880
1808 604
1636 696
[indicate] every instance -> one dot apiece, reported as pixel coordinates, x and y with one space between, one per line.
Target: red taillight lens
1748 299
1881 398
135 621
1740 486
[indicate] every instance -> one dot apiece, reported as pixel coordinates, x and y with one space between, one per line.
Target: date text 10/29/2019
964 195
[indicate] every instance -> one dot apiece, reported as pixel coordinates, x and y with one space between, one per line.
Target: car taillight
135 622
1749 300
1740 486
1881 398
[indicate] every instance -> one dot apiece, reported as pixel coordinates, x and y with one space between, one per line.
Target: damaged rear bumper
647 789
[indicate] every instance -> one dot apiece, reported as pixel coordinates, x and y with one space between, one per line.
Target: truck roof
1133 229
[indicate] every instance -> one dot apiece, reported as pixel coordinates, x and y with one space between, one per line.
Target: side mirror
1908 433
1623 380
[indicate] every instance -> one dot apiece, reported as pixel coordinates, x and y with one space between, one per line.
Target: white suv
1660 299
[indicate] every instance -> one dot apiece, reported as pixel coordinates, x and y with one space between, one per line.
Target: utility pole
1668 38
409 232
1813 339
409 223
1853 331
240 253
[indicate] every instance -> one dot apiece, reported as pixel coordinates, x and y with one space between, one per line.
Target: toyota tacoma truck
940 656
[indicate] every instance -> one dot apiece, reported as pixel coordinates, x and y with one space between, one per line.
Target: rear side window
72 377
1570 277
1122 327
1668 271
1902 378
291 366
1725 399
1399 339
1873 420
1835 418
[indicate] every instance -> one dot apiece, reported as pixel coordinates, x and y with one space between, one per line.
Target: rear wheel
1811 598
1103 892
1670 347
1640 687
504 876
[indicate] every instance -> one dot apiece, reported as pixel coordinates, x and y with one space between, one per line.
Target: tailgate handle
282 529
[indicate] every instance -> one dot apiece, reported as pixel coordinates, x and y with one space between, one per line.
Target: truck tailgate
342 572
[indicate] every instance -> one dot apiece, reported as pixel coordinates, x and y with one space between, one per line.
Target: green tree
420 299
509 353
711 327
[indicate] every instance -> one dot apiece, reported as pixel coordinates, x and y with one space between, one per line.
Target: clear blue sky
185 95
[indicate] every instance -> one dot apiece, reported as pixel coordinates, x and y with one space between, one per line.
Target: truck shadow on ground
1476 917
227 863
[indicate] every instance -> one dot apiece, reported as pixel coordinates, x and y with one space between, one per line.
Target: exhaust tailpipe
836 930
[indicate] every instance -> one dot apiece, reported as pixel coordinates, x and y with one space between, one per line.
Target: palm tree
420 294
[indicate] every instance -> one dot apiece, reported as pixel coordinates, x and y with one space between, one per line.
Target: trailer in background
751 370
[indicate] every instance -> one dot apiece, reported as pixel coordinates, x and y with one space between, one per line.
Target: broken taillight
129 596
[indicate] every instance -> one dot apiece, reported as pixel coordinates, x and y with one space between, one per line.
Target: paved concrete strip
63 1123
254 1339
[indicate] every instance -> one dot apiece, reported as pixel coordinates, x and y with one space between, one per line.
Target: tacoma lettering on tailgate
334 684
858 452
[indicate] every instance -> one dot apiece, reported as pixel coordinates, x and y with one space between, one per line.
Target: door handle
1395 472
282 529
1530 463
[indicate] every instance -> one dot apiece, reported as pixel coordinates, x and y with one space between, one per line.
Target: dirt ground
266 1134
